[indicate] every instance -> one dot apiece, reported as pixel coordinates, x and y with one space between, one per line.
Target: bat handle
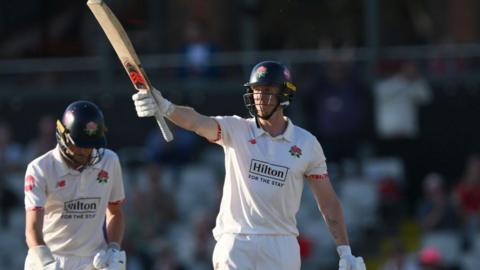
166 132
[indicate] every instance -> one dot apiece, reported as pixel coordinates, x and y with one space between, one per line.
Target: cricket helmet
270 73
82 125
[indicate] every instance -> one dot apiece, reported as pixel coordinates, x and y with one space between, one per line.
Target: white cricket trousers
66 262
256 252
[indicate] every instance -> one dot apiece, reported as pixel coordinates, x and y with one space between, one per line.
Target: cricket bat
126 53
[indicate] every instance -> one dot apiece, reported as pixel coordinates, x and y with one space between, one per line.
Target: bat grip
166 132
162 124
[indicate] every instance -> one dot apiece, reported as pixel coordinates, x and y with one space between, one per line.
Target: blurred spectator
435 211
396 100
467 198
197 51
337 104
11 156
45 139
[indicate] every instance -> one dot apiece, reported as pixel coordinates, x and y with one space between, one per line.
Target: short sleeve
118 194
226 128
317 167
35 189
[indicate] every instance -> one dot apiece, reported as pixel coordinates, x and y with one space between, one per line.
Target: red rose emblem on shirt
295 151
102 177
61 184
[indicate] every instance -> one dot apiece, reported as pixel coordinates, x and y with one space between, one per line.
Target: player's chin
263 112
82 160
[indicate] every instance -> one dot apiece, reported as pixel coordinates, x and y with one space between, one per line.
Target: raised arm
184 117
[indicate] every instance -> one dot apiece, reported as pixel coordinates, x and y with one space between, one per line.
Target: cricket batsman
267 161
73 194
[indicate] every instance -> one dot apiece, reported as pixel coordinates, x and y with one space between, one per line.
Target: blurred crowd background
390 89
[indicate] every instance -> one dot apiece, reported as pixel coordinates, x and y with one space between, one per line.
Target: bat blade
125 51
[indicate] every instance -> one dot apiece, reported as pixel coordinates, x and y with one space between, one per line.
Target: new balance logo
265 169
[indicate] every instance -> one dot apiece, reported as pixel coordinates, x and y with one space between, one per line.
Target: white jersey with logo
264 177
74 202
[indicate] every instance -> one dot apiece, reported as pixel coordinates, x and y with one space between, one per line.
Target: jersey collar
62 167
287 135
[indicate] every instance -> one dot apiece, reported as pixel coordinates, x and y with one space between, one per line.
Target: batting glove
348 261
111 259
43 258
148 103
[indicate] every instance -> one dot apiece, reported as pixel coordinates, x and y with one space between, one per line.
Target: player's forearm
333 215
115 227
188 118
33 228
33 238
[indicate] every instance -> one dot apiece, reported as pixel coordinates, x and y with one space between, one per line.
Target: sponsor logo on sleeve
29 183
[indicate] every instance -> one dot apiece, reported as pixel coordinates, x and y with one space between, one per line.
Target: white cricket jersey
75 202
264 177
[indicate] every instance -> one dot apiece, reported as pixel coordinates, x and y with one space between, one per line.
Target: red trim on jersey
35 208
116 202
318 176
219 132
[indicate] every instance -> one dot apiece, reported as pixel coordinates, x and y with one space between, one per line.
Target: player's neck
275 125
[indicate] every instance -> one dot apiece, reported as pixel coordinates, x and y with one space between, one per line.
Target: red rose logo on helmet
261 72
102 177
295 151
91 128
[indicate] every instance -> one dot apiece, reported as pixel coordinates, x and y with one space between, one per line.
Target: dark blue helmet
270 73
83 125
